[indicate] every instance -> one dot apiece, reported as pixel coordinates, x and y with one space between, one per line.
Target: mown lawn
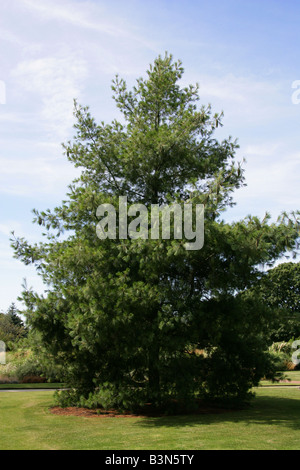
290 376
273 422
30 386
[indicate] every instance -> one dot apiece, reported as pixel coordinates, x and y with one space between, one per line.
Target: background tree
280 290
137 321
12 328
14 315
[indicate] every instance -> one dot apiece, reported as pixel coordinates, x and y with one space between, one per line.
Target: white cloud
89 16
36 175
262 150
12 275
237 89
13 118
19 41
66 12
73 13
11 37
272 180
243 99
53 82
5 229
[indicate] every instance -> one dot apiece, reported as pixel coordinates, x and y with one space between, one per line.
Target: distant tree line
12 327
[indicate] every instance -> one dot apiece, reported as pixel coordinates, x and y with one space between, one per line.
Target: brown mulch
86 413
146 413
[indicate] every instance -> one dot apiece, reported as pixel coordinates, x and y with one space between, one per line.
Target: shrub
281 353
33 379
33 370
5 379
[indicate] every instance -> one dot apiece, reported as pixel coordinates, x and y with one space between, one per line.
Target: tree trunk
154 379
153 362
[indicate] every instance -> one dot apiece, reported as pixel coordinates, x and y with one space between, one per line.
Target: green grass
292 376
272 423
29 386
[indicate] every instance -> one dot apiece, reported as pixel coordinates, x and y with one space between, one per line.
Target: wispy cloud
11 37
265 149
272 180
5 229
244 99
53 82
252 98
13 118
19 40
35 175
88 16
71 12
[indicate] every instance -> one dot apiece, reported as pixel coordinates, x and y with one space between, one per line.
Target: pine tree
146 320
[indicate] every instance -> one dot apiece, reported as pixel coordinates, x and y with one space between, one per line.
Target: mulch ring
145 413
86 413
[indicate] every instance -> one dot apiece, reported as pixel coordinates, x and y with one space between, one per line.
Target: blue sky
244 54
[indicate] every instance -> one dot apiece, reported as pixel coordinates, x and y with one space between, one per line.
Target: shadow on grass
263 410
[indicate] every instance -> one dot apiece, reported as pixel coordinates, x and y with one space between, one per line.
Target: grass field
272 423
29 386
289 376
